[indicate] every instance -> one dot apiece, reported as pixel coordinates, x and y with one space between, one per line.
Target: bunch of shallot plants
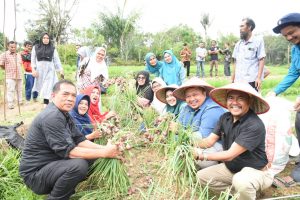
180 166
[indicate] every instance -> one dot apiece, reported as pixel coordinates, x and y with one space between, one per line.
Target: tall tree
54 17
116 28
206 22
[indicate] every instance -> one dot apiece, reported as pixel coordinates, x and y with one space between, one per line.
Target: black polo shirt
51 137
249 132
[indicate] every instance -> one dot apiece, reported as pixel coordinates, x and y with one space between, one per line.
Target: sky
159 15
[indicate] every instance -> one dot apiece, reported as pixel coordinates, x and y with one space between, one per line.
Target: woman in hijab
173 105
143 88
94 92
172 71
93 70
159 106
45 62
81 118
152 64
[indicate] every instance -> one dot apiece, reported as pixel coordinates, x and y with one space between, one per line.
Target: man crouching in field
243 133
56 156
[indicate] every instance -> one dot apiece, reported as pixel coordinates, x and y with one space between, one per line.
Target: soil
142 164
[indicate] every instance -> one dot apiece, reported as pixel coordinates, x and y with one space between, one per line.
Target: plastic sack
278 126
10 134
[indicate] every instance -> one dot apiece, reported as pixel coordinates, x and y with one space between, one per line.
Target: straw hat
191 83
161 93
259 105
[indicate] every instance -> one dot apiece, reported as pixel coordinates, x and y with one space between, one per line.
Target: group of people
40 62
228 135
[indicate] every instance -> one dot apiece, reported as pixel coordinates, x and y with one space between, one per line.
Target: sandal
278 183
286 181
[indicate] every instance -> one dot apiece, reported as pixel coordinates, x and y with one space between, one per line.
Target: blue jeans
29 81
200 66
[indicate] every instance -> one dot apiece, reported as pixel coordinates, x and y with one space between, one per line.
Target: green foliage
87 37
54 18
67 54
276 49
2 46
117 29
11 184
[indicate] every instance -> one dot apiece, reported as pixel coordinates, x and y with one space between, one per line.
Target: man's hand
112 151
110 114
96 134
197 152
258 83
35 73
297 104
173 126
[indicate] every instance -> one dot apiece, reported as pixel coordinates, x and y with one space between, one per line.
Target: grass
11 181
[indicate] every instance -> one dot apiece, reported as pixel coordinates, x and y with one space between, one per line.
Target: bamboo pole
4 45
16 59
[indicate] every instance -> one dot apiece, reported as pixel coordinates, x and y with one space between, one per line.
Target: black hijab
44 52
145 90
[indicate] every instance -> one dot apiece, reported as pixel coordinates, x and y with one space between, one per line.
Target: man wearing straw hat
243 133
200 114
289 27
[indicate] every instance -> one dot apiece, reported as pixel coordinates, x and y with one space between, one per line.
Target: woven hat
191 83
161 93
259 105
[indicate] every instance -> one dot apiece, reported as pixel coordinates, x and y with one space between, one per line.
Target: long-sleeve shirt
294 71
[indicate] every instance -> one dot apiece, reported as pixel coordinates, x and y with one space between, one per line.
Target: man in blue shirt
289 27
201 113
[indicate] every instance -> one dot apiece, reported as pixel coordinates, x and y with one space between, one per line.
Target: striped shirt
12 70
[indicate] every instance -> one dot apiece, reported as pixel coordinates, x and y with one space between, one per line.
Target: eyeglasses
141 77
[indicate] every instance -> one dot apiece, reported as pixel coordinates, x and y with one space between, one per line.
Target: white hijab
156 104
98 68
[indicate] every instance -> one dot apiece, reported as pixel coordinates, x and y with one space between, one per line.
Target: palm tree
206 22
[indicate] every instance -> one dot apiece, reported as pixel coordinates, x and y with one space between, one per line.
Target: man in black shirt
56 156
243 135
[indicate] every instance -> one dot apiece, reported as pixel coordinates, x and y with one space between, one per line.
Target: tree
54 18
276 49
206 22
116 28
87 37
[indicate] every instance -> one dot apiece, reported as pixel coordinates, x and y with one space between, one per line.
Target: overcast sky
159 15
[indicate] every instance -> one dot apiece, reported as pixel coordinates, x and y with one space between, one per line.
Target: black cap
289 19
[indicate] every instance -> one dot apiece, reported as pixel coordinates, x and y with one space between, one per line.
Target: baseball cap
289 19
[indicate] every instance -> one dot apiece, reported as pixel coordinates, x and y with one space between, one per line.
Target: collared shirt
247 55
12 70
51 137
294 71
200 54
249 132
202 120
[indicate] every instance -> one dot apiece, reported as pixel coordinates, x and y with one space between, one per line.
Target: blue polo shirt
202 120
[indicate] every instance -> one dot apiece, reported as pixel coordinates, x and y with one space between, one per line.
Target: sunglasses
141 77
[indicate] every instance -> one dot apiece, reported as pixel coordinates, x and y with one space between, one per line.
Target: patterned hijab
82 122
